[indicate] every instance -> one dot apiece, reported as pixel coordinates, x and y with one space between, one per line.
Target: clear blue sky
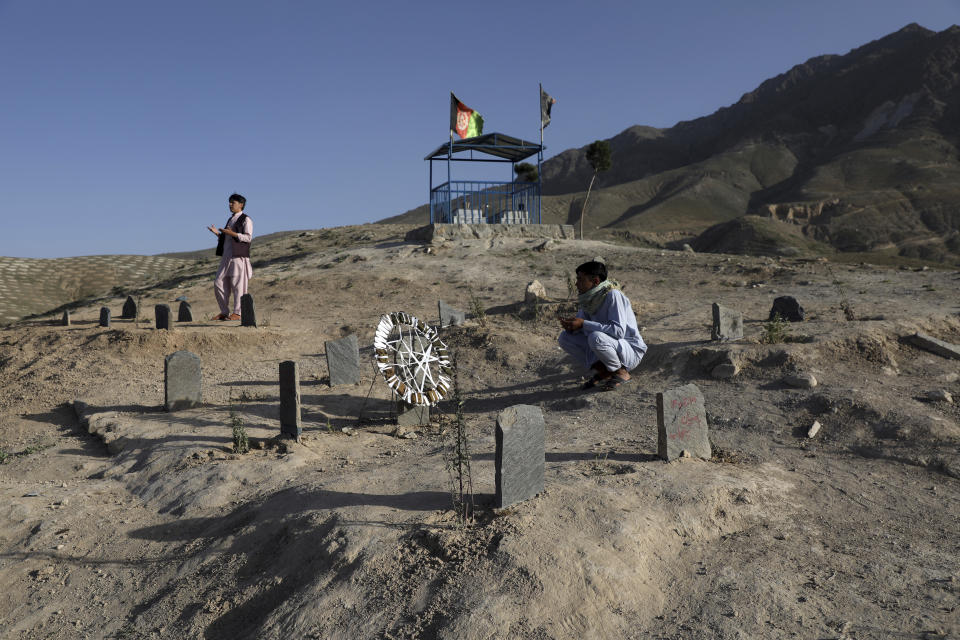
124 125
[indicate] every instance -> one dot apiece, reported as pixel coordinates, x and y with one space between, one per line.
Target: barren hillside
166 533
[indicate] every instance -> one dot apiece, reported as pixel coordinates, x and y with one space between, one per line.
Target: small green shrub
775 331
476 307
241 444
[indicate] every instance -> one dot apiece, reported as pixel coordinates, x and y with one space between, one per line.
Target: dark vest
240 249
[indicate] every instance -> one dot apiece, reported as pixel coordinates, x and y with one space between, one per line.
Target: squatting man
233 276
604 334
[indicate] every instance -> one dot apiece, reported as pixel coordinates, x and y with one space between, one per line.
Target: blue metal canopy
484 201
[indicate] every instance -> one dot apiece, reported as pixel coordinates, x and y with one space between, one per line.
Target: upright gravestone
162 313
104 316
682 423
787 308
343 360
727 324
184 313
450 317
248 317
520 456
182 381
129 309
65 319
290 399
412 415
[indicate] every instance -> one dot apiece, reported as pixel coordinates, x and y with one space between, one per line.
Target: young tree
598 155
526 172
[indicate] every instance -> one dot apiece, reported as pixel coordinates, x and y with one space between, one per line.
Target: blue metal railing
485 202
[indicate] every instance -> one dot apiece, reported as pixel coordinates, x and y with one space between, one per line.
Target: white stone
535 291
801 380
814 429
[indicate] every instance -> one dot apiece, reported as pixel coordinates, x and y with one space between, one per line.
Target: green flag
466 122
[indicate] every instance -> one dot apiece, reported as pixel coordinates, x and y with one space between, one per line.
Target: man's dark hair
593 269
238 198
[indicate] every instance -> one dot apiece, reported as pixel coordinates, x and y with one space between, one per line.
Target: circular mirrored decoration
412 359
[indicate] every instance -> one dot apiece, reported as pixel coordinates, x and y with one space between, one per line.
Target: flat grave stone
412 415
935 345
184 313
343 360
520 456
450 317
104 316
248 317
682 423
65 319
182 378
162 314
129 309
290 422
727 324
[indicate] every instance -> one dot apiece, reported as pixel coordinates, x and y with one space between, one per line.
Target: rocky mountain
858 151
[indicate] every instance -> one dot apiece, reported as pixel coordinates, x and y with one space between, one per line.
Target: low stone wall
442 232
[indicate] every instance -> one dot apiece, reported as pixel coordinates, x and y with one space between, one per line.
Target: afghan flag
466 122
546 103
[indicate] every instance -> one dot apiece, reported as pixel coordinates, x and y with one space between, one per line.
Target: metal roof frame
499 145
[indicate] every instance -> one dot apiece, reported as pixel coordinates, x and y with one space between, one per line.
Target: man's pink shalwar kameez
234 273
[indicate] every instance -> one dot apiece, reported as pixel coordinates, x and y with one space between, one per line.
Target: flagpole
540 157
539 100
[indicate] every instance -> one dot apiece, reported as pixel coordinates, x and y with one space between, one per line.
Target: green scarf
591 300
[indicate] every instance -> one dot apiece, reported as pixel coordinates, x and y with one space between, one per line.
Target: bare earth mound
130 522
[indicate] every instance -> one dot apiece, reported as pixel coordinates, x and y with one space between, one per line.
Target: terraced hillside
34 286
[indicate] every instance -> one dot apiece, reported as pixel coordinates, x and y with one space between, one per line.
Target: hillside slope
127 521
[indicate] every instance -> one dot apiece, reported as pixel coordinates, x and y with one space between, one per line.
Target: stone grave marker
182 381
343 360
162 313
130 309
934 345
682 423
65 319
520 456
248 317
450 317
727 324
290 423
412 415
104 316
184 313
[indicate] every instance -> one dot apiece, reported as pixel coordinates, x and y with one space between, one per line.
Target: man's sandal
612 383
593 383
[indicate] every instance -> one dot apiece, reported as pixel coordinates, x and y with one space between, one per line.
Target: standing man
604 334
233 244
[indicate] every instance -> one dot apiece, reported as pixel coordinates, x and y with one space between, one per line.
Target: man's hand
571 324
213 230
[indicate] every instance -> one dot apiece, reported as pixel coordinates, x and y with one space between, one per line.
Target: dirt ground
155 529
